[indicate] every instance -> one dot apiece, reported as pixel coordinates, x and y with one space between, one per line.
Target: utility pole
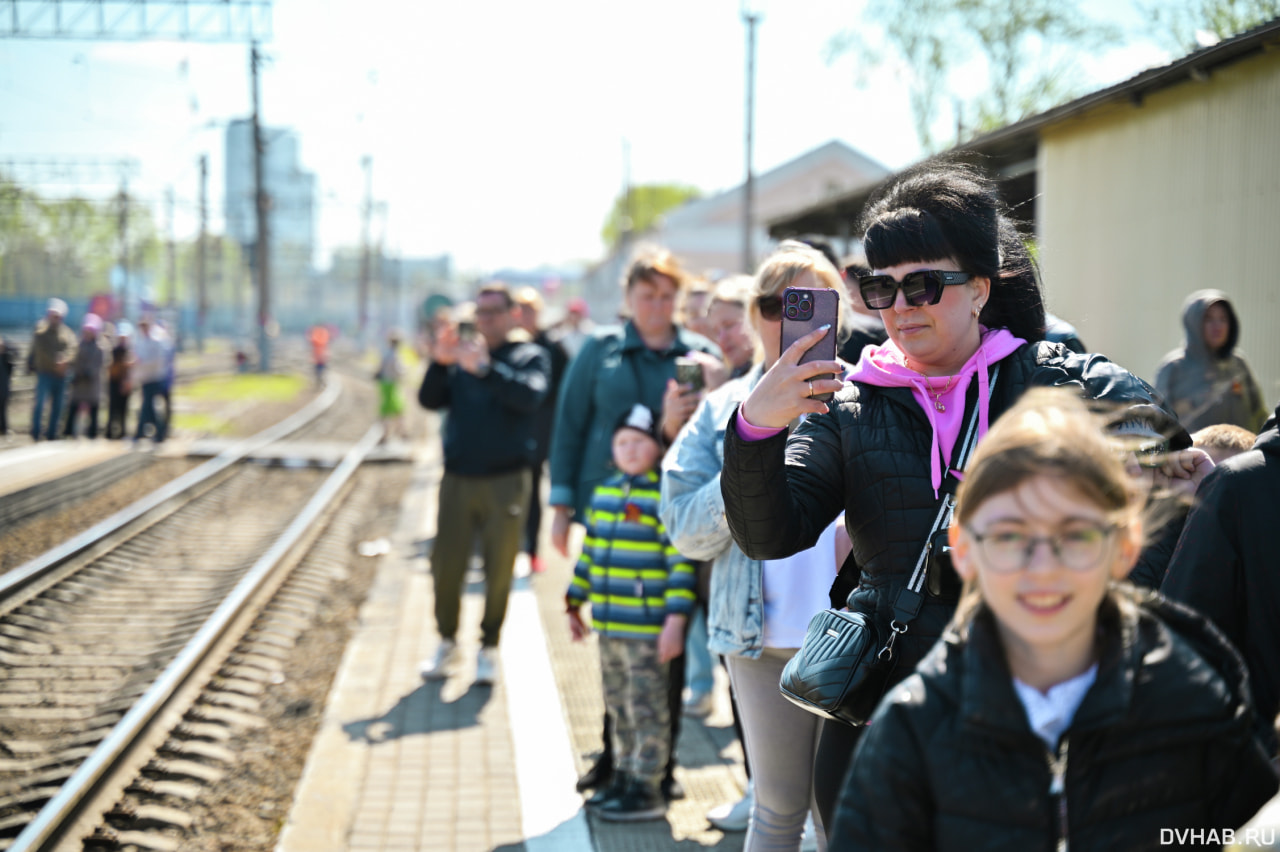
122 228
260 208
171 257
750 17
362 289
202 294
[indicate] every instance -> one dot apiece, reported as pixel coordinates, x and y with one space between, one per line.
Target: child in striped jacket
641 592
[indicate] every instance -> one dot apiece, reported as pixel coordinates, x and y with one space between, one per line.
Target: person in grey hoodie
1205 381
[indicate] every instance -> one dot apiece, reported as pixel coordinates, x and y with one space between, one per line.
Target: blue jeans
51 387
147 412
699 672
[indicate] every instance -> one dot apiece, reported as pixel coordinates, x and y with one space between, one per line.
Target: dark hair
497 288
944 208
821 245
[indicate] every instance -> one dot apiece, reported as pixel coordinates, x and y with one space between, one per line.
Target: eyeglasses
492 312
1079 548
770 307
922 287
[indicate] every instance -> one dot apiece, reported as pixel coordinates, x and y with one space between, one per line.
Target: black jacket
545 420
492 418
1227 563
869 456
1163 740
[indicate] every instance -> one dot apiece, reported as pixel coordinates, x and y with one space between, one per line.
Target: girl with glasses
960 299
1060 707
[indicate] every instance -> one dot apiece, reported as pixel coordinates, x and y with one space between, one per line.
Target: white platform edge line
552 816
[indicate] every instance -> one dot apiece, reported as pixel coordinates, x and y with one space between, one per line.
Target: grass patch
245 387
200 423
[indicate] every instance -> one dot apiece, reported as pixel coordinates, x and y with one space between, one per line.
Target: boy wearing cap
641 592
52 347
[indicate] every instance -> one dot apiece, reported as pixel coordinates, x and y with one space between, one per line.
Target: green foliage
644 208
1025 48
67 245
1178 21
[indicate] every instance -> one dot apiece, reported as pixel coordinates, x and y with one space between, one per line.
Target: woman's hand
678 404
715 371
786 390
560 530
671 639
444 347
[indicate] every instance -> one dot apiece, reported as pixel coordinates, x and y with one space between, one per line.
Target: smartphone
689 372
466 330
803 310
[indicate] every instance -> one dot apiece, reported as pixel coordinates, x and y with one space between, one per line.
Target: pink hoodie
884 366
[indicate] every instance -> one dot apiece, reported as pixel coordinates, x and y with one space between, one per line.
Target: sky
499 131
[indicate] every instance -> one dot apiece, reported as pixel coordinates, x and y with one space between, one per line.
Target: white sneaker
809 840
487 666
446 658
735 816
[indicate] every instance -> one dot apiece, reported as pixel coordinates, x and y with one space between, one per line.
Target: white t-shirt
1050 713
796 588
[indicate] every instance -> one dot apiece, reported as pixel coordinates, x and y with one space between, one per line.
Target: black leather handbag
843 664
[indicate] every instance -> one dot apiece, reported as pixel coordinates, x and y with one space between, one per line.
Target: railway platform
400 765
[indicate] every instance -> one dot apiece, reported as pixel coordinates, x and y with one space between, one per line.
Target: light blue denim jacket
693 511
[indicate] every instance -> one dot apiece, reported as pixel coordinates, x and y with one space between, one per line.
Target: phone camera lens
792 313
806 305
792 298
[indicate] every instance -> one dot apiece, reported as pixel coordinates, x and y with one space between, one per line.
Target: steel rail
38 567
59 810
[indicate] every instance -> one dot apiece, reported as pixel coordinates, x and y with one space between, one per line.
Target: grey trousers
781 740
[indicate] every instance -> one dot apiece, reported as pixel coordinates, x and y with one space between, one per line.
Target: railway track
135 653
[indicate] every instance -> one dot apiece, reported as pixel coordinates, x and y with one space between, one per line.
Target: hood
941 400
1193 310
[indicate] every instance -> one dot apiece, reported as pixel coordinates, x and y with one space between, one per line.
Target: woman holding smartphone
758 610
959 297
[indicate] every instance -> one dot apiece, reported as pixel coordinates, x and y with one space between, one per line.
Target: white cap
56 306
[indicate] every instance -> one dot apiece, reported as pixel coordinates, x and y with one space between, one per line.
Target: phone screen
803 310
689 372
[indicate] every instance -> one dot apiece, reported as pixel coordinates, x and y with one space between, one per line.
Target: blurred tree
644 208
1188 25
1026 48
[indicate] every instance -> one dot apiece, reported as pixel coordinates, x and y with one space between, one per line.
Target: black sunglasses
770 307
922 287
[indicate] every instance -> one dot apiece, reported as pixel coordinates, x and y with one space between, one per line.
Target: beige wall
1141 205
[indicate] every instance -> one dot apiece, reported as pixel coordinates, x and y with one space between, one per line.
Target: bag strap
911 597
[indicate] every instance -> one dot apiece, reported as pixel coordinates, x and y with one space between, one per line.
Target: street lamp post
751 17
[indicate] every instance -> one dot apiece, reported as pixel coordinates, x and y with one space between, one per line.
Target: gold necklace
937 394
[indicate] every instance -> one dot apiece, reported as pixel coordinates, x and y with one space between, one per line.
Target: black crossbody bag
843 665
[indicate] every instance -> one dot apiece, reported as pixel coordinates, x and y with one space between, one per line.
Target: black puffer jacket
1161 742
869 456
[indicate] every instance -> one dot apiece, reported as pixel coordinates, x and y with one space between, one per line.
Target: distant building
707 233
291 222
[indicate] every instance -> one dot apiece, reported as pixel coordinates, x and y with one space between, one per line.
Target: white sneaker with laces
735 816
446 658
487 666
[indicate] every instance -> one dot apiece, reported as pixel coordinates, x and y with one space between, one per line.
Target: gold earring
977 310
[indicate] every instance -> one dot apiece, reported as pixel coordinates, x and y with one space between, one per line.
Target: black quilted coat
1162 743
869 455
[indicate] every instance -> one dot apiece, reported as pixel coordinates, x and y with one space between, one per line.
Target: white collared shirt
1050 713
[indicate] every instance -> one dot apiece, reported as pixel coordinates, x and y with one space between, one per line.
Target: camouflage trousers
635 696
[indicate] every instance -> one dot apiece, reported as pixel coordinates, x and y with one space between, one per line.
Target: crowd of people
73 373
1112 688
